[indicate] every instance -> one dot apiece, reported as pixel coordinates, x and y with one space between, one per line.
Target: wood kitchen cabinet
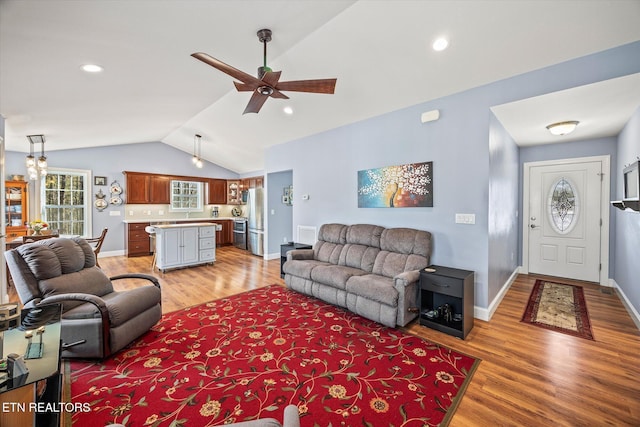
217 191
137 241
225 235
234 196
145 188
159 189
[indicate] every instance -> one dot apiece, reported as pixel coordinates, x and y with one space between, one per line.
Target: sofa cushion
358 256
122 306
334 275
374 287
333 233
390 264
53 257
406 241
301 268
364 234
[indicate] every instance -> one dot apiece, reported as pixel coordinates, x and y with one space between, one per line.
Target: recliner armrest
148 277
301 254
291 416
407 277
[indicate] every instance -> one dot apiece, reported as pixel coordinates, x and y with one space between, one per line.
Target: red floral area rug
558 307
250 355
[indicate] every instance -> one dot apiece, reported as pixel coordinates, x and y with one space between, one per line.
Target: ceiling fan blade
313 86
227 69
255 103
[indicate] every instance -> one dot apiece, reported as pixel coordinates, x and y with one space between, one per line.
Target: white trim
604 209
275 255
111 253
88 192
635 316
487 313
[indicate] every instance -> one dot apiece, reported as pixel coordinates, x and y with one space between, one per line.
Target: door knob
533 226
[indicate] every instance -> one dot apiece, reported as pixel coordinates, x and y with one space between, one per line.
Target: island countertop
190 224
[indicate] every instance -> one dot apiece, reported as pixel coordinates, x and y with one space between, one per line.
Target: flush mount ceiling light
91 68
440 44
563 128
40 166
288 110
196 160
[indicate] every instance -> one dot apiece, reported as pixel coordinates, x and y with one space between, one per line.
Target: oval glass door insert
563 206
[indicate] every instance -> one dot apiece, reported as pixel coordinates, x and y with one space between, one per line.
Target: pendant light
195 159
40 166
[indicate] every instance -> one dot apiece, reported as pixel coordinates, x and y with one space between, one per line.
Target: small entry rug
558 307
249 355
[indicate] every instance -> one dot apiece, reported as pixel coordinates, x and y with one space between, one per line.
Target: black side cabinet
446 300
288 247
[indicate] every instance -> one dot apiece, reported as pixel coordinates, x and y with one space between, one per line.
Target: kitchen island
184 245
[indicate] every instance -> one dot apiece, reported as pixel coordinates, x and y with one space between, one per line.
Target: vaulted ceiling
151 89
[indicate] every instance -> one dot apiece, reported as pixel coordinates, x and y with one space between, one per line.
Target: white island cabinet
183 245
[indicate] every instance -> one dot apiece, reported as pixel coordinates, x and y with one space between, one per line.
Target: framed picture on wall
99 180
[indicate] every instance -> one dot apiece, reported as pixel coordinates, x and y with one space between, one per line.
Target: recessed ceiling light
91 68
440 44
288 110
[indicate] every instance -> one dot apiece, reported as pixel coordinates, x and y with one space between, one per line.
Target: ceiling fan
267 83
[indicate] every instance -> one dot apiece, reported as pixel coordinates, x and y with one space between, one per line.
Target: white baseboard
486 313
275 255
111 253
635 316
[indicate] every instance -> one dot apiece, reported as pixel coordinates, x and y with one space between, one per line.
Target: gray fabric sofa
370 270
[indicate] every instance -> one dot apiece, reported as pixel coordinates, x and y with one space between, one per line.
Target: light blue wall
627 241
110 161
325 165
279 216
503 207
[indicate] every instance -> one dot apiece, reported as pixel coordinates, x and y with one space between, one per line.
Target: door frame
604 209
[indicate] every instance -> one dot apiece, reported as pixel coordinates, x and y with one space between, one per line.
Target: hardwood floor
528 376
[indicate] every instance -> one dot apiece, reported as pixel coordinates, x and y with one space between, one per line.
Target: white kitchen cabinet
183 245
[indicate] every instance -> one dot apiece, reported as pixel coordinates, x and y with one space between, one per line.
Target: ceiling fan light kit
268 83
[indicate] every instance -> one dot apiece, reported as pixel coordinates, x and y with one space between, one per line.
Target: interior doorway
566 218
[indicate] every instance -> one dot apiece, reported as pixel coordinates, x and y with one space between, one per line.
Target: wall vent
307 234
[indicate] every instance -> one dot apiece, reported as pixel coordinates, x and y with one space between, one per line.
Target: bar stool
152 234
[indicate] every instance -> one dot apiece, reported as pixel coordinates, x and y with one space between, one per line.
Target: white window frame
88 191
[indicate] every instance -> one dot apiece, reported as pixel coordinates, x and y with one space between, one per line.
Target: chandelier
39 165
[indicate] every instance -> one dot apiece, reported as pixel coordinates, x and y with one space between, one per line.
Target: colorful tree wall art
404 186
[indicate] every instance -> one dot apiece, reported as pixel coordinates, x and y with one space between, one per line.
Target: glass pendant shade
36 166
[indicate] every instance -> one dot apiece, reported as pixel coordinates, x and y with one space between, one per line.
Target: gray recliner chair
97 321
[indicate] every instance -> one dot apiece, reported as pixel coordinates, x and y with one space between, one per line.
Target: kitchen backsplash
162 212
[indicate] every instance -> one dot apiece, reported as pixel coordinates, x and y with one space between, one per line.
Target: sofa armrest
302 254
148 277
407 277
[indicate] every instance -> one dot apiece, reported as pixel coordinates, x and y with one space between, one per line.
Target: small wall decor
116 191
287 195
99 180
404 186
100 202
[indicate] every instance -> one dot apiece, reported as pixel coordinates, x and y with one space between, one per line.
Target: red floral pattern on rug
250 355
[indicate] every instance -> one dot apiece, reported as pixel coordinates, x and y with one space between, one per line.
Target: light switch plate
114 213
465 218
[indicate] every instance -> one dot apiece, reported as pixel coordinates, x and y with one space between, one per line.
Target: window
186 196
65 201
563 206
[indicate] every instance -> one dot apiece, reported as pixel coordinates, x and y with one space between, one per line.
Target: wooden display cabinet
16 208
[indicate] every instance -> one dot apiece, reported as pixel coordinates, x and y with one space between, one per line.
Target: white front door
564 220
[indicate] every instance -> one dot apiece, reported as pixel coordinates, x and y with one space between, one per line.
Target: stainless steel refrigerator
255 215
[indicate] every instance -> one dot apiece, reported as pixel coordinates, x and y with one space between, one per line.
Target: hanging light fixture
563 128
196 160
40 166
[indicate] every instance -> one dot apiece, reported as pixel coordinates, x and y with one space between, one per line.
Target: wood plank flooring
528 376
